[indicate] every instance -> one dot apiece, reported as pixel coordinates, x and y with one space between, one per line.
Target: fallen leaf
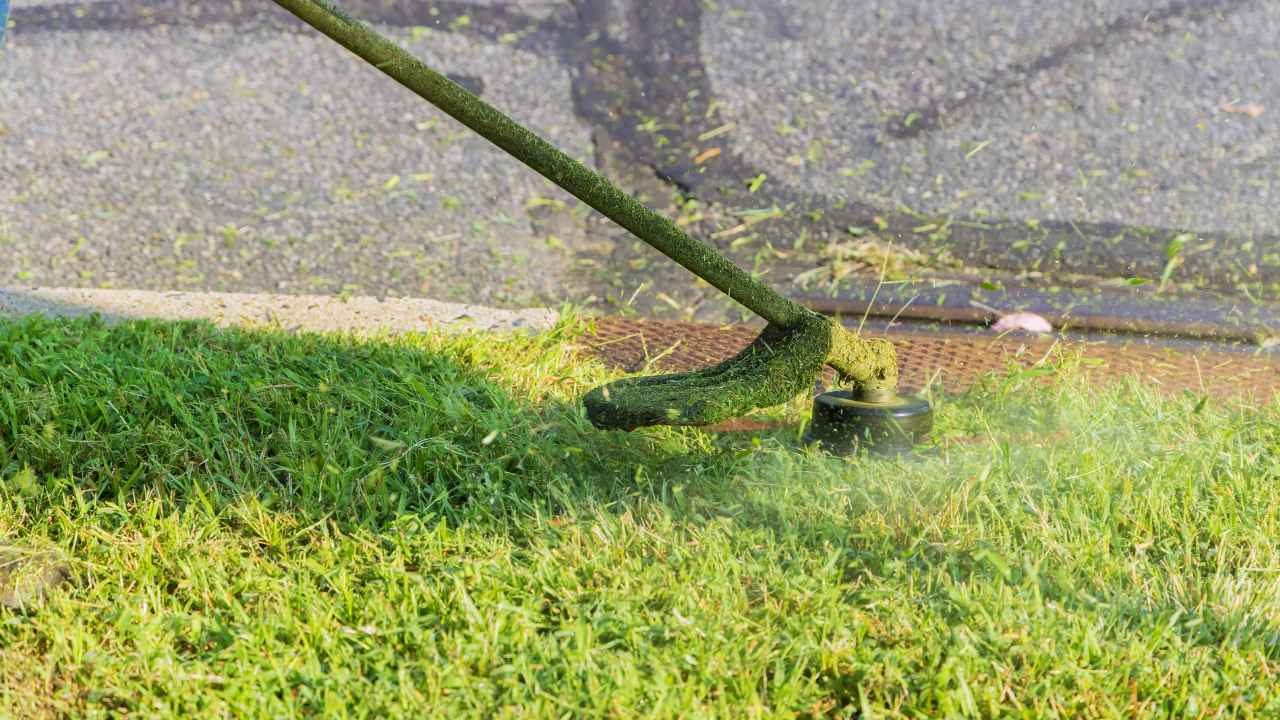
1023 321
1252 111
730 231
706 155
669 300
718 131
94 157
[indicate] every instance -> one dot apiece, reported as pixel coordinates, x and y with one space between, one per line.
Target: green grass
264 525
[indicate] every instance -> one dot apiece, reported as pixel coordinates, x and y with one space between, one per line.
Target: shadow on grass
360 430
329 426
291 524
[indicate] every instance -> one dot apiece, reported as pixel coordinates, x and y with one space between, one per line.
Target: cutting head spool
881 421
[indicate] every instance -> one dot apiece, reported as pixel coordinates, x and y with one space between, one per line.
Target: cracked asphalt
1081 111
168 145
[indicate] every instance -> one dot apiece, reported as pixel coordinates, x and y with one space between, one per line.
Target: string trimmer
780 364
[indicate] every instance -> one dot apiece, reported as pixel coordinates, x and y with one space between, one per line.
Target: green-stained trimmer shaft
779 365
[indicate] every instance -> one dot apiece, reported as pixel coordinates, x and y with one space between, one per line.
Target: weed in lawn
264 524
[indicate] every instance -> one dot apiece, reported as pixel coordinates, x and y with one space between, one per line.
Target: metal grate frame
957 359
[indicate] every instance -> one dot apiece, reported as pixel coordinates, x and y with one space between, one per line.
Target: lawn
271 525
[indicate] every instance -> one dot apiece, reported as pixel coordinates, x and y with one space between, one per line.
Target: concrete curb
311 313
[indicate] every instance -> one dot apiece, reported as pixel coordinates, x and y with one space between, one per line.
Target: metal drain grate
957 360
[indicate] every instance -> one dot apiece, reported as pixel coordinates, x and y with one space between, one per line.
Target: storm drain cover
957 360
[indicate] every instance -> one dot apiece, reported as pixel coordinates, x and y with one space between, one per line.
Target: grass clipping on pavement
263 524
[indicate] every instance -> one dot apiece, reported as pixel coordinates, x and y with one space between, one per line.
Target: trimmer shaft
790 352
880 421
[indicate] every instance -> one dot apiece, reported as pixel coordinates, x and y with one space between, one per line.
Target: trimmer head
880 421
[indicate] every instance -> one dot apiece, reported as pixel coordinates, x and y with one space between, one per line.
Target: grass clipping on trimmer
782 363
779 365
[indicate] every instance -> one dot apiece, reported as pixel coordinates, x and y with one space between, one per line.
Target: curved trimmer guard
777 366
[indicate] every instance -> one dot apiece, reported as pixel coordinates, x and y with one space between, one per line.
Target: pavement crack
928 118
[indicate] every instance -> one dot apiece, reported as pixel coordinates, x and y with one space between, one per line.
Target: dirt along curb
295 313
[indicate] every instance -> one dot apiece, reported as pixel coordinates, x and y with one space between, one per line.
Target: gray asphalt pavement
196 158
171 145
1086 114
